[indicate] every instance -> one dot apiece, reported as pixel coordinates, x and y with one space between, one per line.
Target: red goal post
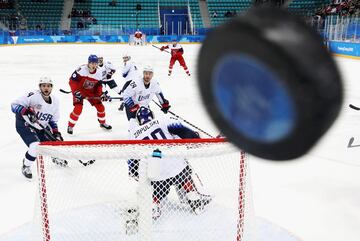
111 198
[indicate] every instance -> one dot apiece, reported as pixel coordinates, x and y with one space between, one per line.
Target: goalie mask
144 115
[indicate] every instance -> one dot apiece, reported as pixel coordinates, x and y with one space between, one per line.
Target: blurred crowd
338 7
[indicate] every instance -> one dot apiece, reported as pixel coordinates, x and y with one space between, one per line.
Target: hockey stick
65 91
187 122
354 107
92 98
351 141
160 49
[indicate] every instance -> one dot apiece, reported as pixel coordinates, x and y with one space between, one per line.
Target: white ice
315 198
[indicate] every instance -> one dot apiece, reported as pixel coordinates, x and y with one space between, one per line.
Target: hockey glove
134 108
162 48
165 106
58 136
78 95
30 113
105 97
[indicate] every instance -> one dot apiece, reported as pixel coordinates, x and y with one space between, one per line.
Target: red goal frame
42 175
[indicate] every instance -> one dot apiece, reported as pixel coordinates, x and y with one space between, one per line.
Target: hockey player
141 91
129 72
170 171
177 52
138 37
35 111
108 69
85 83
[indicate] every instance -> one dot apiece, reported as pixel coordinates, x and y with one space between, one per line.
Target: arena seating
46 14
123 13
222 7
305 7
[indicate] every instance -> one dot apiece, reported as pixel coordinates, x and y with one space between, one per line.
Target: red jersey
175 49
89 84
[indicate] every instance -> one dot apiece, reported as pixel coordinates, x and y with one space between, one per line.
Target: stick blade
354 107
351 141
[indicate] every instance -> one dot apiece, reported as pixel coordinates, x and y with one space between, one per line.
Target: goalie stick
354 107
89 98
187 122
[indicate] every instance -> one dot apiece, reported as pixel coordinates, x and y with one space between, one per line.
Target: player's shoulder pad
82 70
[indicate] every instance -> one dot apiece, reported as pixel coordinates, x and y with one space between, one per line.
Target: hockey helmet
126 56
148 68
93 59
100 59
144 115
45 80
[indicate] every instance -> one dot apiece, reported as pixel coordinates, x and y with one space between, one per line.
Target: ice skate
59 162
70 130
156 211
198 201
106 126
26 171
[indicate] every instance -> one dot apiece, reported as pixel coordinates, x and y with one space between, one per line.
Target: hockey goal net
163 190
137 41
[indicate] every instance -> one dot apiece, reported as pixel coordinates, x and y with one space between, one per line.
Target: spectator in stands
112 3
80 24
228 14
22 24
214 14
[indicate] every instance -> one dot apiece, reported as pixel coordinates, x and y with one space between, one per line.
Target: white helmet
126 56
148 68
45 80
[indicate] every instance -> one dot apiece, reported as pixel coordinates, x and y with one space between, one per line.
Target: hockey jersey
138 93
89 84
130 71
159 128
175 49
46 113
107 70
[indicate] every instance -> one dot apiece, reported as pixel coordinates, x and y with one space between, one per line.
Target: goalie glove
30 113
57 135
165 106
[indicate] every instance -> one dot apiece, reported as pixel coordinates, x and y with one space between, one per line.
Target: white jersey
130 71
107 68
137 93
165 167
47 113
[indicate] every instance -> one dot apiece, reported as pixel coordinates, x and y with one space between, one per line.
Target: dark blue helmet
144 115
93 59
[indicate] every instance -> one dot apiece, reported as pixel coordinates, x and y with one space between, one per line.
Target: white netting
188 191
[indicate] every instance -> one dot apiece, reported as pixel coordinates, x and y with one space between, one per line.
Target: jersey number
156 134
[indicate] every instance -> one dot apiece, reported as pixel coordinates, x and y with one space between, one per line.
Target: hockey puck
269 83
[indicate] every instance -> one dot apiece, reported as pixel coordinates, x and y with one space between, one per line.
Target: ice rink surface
316 197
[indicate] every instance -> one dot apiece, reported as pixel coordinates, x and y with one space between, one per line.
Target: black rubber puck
269 83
